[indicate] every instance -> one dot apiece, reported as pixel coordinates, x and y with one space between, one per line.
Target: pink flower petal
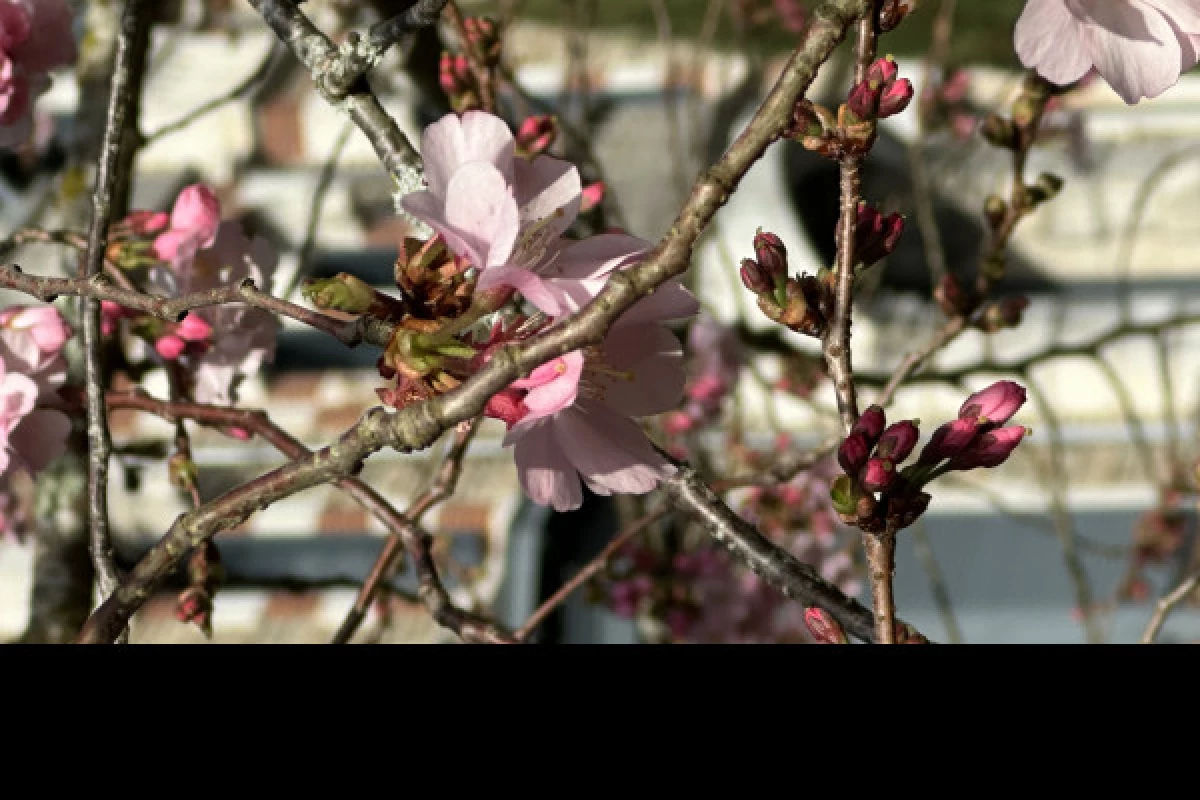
546 296
545 472
453 141
654 359
480 209
549 189
1050 39
41 438
610 451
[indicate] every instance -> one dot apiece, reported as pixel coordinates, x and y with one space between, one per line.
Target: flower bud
536 135
898 441
771 254
823 627
948 441
952 297
193 328
882 72
170 347
863 102
990 449
755 278
895 98
482 33
592 196
875 235
853 453
343 292
870 424
995 404
877 475
892 13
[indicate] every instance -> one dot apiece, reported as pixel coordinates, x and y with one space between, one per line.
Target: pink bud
239 433
536 134
853 453
197 212
949 440
170 347
895 98
898 441
754 277
882 72
193 329
870 425
996 404
991 449
878 475
771 254
593 195
147 223
823 627
863 101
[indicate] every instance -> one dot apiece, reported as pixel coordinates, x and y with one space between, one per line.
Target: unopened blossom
1140 47
202 253
35 38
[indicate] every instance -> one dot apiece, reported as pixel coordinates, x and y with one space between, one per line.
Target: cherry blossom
204 253
1139 46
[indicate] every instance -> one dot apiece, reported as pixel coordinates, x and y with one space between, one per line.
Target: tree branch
350 332
121 97
329 71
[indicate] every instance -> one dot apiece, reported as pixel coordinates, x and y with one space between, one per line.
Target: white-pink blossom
32 370
1139 46
576 426
204 253
507 215
35 38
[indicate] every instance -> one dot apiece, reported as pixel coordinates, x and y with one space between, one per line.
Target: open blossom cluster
572 421
1140 47
35 38
32 370
193 250
699 593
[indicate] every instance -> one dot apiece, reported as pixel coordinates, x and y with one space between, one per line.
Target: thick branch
328 70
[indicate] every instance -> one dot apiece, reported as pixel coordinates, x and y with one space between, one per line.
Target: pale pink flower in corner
29 437
31 342
1140 47
35 38
575 426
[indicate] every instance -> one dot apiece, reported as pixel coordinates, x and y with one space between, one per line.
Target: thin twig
1167 604
442 486
587 573
236 93
123 88
403 528
350 332
319 55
